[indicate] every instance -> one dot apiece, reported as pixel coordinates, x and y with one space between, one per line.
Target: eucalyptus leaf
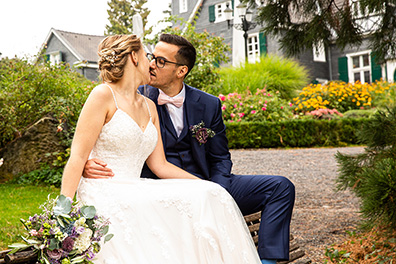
54 244
88 212
105 230
63 206
108 237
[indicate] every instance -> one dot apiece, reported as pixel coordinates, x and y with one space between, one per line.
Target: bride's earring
137 63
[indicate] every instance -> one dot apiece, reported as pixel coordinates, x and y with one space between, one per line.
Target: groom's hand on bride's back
97 169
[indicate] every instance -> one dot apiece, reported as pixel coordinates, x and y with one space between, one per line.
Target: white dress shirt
176 113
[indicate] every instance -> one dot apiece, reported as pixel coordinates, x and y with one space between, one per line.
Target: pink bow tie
164 99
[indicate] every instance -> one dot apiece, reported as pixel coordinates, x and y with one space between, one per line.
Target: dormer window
182 6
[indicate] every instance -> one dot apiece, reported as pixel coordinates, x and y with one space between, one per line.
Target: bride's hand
97 169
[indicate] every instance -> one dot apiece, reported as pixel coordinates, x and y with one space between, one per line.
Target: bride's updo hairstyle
113 54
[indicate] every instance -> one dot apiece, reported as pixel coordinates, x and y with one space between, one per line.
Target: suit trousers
274 197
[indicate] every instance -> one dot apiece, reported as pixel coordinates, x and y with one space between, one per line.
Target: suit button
182 155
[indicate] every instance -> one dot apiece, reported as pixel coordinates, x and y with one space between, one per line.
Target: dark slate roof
83 45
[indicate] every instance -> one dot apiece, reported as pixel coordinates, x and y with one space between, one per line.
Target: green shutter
232 7
60 56
343 69
376 71
263 44
212 15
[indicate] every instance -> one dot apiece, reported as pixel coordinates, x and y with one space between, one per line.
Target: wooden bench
295 252
252 221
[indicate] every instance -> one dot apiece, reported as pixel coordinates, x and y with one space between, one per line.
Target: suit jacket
213 158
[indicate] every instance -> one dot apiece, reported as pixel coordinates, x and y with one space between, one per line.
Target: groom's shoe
268 261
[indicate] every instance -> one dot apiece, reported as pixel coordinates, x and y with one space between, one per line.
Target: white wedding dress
171 221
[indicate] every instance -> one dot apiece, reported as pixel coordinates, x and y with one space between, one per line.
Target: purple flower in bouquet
68 244
201 133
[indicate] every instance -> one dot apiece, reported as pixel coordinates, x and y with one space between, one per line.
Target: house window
319 53
253 47
361 69
182 6
55 57
219 11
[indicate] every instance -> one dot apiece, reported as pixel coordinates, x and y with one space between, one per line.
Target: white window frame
253 48
55 58
183 7
219 11
319 54
361 69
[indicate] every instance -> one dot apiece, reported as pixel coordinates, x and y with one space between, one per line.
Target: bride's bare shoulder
101 92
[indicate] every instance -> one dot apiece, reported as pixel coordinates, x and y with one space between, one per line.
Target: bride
178 220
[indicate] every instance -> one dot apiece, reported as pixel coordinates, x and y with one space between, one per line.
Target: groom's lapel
193 110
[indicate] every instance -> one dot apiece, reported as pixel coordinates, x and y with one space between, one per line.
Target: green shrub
294 133
372 174
28 92
274 73
360 113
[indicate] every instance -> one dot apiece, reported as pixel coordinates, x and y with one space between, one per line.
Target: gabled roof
83 46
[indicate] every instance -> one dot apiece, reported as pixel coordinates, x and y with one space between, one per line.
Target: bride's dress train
160 221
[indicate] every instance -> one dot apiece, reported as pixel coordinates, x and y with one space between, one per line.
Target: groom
180 107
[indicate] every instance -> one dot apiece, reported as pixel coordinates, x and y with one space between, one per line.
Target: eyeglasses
160 61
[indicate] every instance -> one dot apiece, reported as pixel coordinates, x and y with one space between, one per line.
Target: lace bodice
124 146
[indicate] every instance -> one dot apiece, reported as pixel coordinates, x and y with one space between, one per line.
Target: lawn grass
18 202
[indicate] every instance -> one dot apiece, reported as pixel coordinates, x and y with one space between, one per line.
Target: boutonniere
201 133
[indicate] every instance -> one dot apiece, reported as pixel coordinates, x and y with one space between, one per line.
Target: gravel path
321 216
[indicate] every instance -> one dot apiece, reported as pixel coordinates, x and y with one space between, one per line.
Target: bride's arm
157 161
89 125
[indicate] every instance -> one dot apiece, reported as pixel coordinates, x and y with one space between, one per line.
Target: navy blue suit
273 195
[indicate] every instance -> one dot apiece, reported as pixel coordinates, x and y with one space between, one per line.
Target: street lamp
247 24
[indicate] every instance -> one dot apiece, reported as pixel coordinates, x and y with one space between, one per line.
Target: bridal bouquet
64 233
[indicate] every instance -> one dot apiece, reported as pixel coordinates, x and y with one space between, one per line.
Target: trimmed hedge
294 133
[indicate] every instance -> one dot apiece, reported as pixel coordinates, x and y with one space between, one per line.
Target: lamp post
246 25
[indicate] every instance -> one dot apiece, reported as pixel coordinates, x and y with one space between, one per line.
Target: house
77 50
350 65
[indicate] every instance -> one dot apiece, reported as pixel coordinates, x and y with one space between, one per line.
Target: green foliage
16 202
272 72
260 106
121 14
372 174
360 113
28 92
294 133
337 256
300 25
45 176
211 51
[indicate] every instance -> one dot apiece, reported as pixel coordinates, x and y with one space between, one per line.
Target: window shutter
376 71
232 7
263 44
343 69
212 15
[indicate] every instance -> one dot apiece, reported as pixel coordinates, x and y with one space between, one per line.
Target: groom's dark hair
186 54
